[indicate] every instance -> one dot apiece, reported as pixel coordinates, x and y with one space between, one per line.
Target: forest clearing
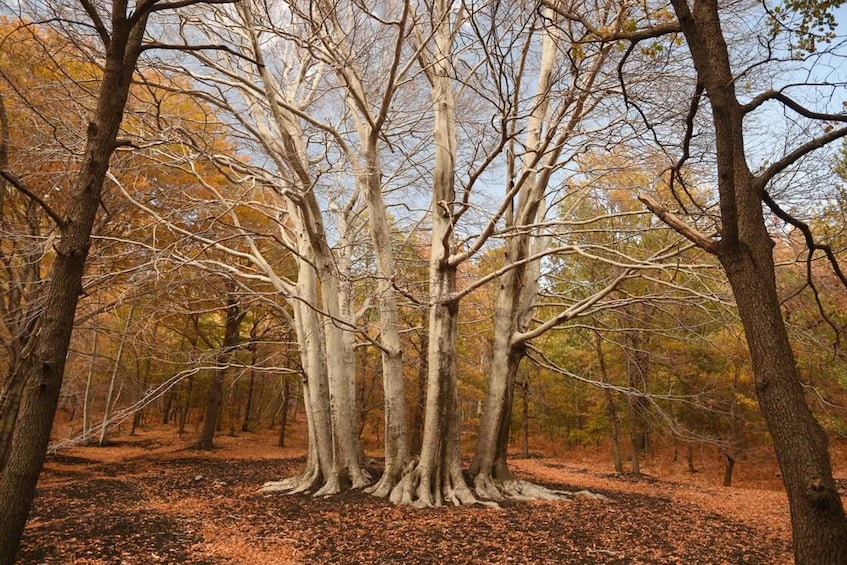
513 249
152 499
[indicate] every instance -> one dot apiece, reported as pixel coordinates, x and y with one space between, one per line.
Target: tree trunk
727 475
515 296
437 476
817 516
316 398
186 407
689 457
393 379
633 440
214 400
611 409
167 406
43 367
517 288
107 410
138 417
248 408
489 467
745 251
342 464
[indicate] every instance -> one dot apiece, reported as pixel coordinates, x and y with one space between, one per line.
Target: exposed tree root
330 487
489 488
360 478
389 479
414 487
307 481
312 481
422 488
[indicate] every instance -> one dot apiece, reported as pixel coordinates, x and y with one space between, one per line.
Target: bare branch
99 26
18 184
763 178
618 35
800 109
807 235
204 47
693 235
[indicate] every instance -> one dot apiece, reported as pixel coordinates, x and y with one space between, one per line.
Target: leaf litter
130 504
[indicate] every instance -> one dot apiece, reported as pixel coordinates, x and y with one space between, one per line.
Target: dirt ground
149 499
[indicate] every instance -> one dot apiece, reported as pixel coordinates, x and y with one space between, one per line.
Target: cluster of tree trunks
320 302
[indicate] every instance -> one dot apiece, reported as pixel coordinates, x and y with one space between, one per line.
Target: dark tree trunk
248 405
727 475
186 406
248 408
745 251
214 401
167 405
817 516
139 414
636 459
44 365
689 457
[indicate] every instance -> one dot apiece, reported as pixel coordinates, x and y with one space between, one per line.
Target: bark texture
43 366
437 477
746 252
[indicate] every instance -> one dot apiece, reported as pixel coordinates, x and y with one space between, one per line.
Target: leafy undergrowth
155 503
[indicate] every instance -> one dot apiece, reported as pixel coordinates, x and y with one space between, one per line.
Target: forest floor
149 499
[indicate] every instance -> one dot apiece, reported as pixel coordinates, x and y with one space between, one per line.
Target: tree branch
99 26
18 184
763 178
807 235
619 35
800 109
206 47
696 237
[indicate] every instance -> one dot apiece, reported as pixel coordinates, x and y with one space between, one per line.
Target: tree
121 34
37 56
745 250
552 125
234 314
437 476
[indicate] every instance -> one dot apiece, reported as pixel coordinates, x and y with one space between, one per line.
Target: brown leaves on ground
158 504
